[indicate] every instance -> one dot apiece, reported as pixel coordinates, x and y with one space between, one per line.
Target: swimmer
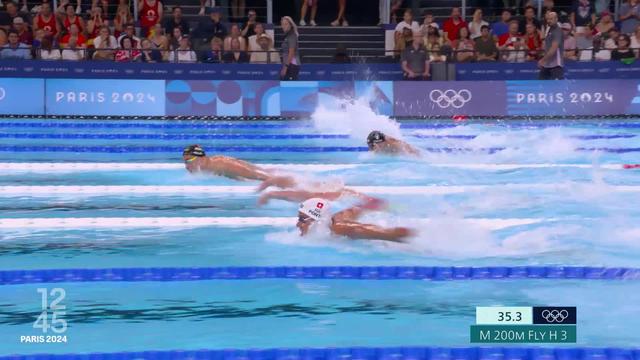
195 160
381 143
344 223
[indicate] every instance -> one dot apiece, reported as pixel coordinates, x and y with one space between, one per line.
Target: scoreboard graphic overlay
524 324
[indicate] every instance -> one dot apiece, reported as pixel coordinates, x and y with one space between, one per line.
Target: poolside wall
36 96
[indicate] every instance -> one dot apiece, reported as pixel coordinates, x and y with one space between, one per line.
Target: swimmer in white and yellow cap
315 211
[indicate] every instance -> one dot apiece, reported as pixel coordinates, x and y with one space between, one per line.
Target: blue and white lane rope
256 136
441 273
359 353
266 149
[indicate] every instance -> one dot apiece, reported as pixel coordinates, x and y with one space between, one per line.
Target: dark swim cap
194 150
375 137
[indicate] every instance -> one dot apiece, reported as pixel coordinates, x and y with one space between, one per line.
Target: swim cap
194 150
314 208
375 137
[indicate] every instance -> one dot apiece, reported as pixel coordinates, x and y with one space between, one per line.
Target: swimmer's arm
296 196
278 181
353 213
368 231
235 168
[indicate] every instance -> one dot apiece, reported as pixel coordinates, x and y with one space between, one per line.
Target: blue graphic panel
224 98
105 97
21 96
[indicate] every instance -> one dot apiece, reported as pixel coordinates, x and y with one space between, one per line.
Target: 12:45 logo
51 317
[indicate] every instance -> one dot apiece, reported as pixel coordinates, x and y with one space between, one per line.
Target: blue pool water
477 182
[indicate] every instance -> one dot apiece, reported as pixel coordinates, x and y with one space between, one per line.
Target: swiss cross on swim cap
314 208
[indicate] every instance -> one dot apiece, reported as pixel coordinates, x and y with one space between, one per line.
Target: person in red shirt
510 37
452 25
75 32
71 18
46 21
22 28
533 42
96 22
149 14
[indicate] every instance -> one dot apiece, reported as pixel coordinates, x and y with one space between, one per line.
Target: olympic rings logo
555 315
450 98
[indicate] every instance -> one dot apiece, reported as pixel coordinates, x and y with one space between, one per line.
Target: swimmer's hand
264 199
282 182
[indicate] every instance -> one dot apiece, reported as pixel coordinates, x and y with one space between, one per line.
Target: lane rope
14 277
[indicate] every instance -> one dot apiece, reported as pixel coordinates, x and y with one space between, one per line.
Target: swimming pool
484 194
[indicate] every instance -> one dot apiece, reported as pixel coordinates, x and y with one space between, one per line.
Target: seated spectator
611 39
605 24
105 44
266 54
214 55
635 41
464 46
130 32
46 21
253 39
3 37
127 52
509 37
502 27
96 22
158 38
75 32
341 56
122 20
47 51
583 13
403 41
623 52
72 51
14 49
174 40
570 47
629 16
235 54
149 53
435 55
529 18
427 24
70 18
415 61
210 27
596 51
184 53
105 40
476 24
11 12
485 46
433 39
235 33
432 30
24 34
249 27
452 25
149 14
176 21
533 43
406 23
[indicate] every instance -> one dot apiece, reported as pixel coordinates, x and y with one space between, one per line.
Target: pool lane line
156 190
255 136
135 166
441 273
361 353
268 149
232 222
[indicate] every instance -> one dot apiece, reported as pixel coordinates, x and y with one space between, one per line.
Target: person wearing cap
24 35
385 144
317 212
195 161
267 54
210 27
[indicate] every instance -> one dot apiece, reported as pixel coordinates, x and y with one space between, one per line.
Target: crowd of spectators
586 35
68 33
